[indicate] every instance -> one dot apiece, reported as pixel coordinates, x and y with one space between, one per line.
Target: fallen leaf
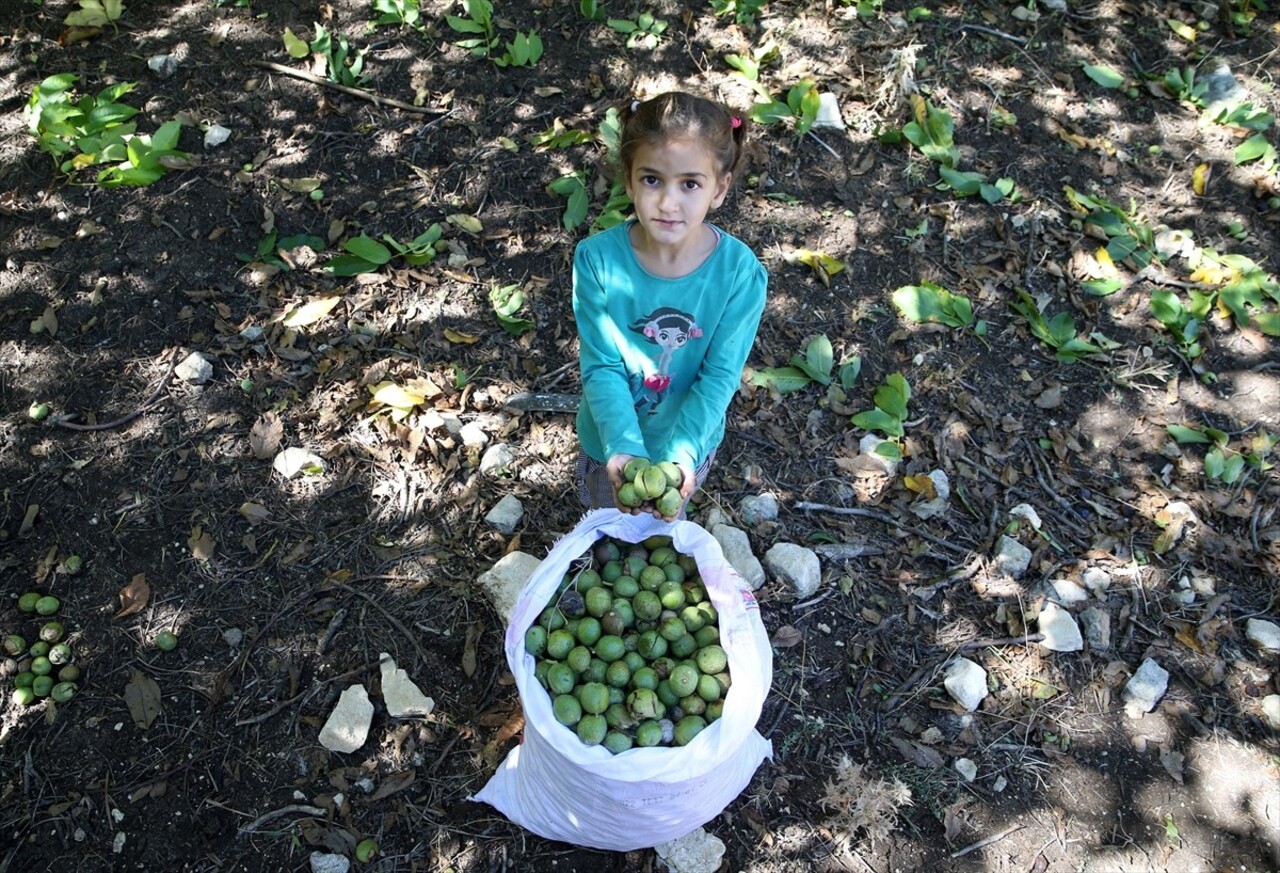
786 636
455 336
201 544
29 519
254 513
921 485
467 223
393 783
918 753
142 696
309 312
134 596
265 435
469 648
1200 178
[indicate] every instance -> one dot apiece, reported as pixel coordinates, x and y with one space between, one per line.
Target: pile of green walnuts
45 667
629 648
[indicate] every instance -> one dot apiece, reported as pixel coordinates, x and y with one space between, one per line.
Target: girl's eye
691 185
649 180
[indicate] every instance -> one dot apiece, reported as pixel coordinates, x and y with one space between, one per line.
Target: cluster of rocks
347 726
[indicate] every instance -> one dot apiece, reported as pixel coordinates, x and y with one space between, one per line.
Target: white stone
1027 513
253 333
233 637
1061 633
194 368
1097 628
294 460
163 66
713 517
1097 580
1204 586
795 565
329 862
1069 591
473 435
967 769
497 460
828 112
348 725
1145 688
1271 711
216 135
757 508
1012 557
941 500
867 446
966 682
503 581
506 515
737 551
695 852
403 698
1000 784
1263 634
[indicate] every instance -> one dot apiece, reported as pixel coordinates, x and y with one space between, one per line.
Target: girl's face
674 184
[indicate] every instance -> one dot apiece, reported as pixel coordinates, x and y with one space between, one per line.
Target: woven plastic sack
559 788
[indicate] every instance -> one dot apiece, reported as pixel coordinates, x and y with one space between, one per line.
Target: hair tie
635 104
735 122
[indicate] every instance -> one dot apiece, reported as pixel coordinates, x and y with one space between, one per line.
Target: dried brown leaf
393 783
254 513
469 646
265 436
201 544
786 637
134 596
142 696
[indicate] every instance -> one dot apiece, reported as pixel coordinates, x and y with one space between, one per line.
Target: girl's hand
613 468
688 484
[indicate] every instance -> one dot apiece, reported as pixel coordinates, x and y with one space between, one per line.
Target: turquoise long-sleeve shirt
661 358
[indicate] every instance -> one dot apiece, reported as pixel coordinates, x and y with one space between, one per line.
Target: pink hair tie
735 122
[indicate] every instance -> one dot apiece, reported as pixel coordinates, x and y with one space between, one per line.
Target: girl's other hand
687 486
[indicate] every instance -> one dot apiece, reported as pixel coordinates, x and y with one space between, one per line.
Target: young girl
667 305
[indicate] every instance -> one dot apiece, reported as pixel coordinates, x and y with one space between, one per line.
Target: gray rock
233 637
1097 580
737 551
163 66
1012 557
1067 592
348 725
1097 628
506 515
1263 634
497 460
1222 86
757 508
473 436
795 565
328 862
1271 711
1145 688
695 852
966 682
1061 633
967 769
503 581
194 368
403 698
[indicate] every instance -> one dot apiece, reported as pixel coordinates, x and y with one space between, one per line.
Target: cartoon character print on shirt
669 329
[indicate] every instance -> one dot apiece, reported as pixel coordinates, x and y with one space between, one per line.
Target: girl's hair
678 115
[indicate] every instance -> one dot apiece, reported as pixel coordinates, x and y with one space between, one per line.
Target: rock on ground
1263 634
757 508
403 698
966 682
1012 557
796 566
1145 688
503 581
695 852
506 515
737 551
1061 633
348 725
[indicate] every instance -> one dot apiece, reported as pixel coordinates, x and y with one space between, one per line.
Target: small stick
125 419
1007 641
988 841
884 517
350 92
277 813
990 31
395 622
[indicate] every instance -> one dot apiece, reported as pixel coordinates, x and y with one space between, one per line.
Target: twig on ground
292 809
884 517
995 838
350 92
829 149
1006 641
395 622
284 704
125 419
991 31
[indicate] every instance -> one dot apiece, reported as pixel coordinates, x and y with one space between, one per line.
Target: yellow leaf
82 160
310 312
391 394
922 485
1108 271
468 223
1200 178
304 185
1209 273
918 108
1185 31
295 45
455 336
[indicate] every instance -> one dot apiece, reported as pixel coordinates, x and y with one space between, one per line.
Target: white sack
557 787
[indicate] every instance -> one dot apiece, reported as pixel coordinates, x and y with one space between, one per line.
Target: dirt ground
284 591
